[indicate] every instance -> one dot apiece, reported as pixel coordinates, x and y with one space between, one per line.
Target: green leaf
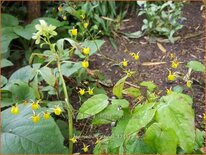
7 36
142 115
93 106
26 32
132 92
25 73
102 147
94 45
6 63
199 139
118 88
149 84
178 89
48 75
175 112
134 35
163 140
120 102
70 68
21 91
196 66
6 98
8 20
21 136
108 115
3 81
137 146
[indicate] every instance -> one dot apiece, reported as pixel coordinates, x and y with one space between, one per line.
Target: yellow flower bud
171 76
57 111
73 140
175 64
82 16
124 63
35 118
86 24
35 105
81 91
97 141
85 64
136 56
86 51
85 148
14 109
64 17
74 32
169 91
189 83
90 91
60 9
46 115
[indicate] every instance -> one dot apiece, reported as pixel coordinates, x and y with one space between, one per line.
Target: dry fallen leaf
161 48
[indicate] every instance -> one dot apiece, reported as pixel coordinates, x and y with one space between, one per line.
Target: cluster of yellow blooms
134 55
35 106
89 91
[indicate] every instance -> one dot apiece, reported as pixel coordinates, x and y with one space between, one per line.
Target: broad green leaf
196 66
111 113
117 137
61 42
7 36
3 81
163 140
6 98
22 91
94 46
93 106
199 139
21 136
48 75
134 35
102 147
69 68
149 84
6 63
120 102
137 146
142 115
25 73
118 88
8 20
175 112
26 32
132 92
178 89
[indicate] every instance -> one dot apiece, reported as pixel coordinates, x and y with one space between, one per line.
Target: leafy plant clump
161 18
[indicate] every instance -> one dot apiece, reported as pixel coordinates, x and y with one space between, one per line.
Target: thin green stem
69 108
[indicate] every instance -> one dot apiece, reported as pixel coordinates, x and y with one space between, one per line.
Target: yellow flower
35 105
204 116
175 64
124 63
86 51
57 111
46 115
172 56
90 91
64 17
14 109
73 140
86 82
136 56
85 148
35 118
74 32
169 91
171 76
132 54
60 8
85 64
189 83
86 24
82 15
97 141
81 91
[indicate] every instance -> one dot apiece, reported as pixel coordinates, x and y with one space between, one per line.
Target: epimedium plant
32 107
152 124
160 19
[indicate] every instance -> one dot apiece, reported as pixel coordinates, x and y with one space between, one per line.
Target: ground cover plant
67 88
